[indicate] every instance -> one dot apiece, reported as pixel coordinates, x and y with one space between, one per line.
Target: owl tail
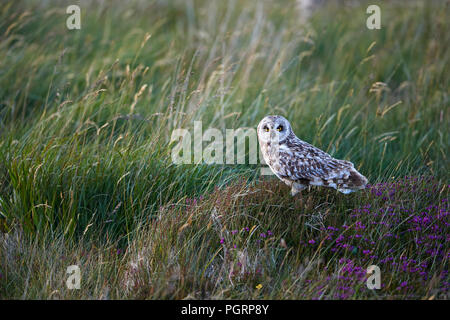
355 181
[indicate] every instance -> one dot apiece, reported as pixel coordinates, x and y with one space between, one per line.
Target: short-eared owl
299 164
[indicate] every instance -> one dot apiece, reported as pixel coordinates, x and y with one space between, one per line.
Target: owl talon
296 188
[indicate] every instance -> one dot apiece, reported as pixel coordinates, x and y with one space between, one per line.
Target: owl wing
303 161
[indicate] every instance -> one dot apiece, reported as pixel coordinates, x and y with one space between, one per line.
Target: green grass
86 118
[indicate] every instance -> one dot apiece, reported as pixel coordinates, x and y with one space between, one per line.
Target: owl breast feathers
299 164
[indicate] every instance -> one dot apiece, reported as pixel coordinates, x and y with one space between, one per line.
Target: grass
86 175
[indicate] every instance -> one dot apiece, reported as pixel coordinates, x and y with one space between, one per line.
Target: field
86 170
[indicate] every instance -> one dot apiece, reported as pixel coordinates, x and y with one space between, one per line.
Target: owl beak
274 135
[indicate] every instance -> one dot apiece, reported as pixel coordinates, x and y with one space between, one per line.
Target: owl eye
280 128
266 128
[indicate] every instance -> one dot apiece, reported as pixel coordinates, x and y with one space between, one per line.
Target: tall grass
86 118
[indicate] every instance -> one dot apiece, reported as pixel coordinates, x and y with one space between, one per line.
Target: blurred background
86 116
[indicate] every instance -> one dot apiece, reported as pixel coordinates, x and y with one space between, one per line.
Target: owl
299 164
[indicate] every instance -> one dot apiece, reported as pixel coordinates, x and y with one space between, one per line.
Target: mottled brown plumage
300 164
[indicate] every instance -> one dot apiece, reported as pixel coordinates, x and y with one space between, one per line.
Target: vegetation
86 175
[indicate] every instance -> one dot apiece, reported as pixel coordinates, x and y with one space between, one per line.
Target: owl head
274 127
